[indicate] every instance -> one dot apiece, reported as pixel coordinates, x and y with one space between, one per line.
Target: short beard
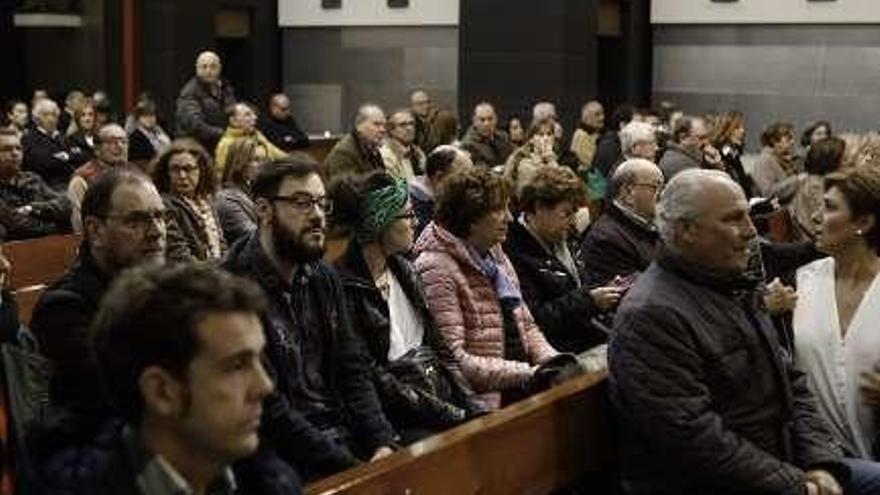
290 246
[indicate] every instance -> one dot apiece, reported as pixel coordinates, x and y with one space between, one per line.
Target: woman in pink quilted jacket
473 291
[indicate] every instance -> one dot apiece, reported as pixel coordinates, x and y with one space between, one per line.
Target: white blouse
834 363
407 331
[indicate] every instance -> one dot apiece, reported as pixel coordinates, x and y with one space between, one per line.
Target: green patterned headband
380 208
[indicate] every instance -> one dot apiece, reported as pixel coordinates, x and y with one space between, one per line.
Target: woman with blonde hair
235 208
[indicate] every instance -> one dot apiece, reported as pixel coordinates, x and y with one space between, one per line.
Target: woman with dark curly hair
421 385
473 291
184 176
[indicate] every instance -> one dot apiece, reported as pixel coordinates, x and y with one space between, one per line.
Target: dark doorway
233 29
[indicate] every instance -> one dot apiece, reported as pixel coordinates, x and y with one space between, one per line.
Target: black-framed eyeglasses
142 219
305 202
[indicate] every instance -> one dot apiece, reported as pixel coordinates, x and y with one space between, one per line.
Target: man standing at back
325 414
123 226
203 100
487 145
708 401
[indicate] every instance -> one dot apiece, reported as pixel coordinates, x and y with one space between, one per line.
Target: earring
859 232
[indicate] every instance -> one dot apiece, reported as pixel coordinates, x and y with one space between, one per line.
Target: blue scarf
508 293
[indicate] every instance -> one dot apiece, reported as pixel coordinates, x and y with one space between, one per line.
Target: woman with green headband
422 388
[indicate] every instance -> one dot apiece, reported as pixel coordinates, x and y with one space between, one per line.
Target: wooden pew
320 146
542 444
36 263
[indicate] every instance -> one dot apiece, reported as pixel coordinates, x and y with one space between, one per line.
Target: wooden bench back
319 147
36 263
539 445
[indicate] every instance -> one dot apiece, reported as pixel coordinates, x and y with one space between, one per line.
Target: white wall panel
765 12
308 13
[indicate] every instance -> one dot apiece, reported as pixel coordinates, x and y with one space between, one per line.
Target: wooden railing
537 446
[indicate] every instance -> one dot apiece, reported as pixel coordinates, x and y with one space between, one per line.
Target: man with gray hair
690 147
621 242
358 152
203 100
45 151
708 401
637 140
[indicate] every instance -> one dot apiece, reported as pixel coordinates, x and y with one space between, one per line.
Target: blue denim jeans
864 477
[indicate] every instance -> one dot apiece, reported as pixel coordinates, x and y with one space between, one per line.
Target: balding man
203 100
280 127
45 151
358 152
706 398
242 125
488 146
622 241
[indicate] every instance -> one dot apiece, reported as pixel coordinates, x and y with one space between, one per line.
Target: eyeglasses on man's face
141 220
304 202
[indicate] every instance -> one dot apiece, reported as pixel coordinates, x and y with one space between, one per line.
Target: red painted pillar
131 52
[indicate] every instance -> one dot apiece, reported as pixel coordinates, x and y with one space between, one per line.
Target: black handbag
421 369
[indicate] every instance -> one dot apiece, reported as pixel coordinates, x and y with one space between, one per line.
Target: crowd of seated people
242 318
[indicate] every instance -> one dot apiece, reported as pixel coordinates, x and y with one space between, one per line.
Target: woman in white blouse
422 388
837 317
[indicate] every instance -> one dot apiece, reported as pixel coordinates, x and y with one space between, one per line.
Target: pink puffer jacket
468 314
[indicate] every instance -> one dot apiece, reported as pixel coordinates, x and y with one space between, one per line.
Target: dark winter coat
561 308
60 323
201 113
707 400
296 437
405 405
351 156
487 152
616 245
285 134
49 157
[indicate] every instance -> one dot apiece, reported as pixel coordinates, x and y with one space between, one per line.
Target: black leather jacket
405 405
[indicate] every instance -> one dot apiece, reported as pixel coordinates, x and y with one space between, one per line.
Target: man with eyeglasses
403 158
325 415
123 226
111 150
621 242
690 148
